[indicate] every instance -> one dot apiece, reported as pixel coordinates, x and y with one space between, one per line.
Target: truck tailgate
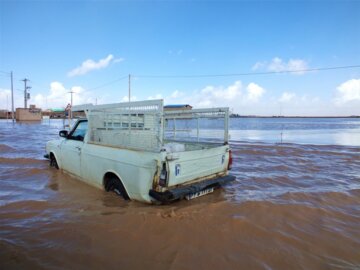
186 167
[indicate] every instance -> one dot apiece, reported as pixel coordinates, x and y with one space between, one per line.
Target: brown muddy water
292 207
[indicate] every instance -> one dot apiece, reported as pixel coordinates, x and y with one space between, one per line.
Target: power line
99 86
248 73
108 83
5 74
218 75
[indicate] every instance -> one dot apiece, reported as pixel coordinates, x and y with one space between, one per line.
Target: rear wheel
113 183
53 162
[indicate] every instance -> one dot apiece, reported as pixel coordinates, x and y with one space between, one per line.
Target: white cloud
213 95
90 65
59 96
254 92
176 94
218 93
5 99
238 97
233 96
157 96
278 65
258 65
292 104
348 91
297 64
287 96
126 99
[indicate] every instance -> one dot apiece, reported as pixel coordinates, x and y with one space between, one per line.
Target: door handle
78 148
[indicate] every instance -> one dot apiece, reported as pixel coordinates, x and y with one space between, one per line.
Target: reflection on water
349 137
293 206
330 131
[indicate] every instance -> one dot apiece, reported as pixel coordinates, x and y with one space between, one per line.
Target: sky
202 53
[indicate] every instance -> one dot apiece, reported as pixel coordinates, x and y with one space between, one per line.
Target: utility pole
7 107
129 87
71 103
12 98
26 95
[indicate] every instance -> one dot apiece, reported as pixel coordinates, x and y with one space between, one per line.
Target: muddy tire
112 183
53 162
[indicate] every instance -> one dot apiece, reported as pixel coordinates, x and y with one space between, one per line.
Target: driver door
71 148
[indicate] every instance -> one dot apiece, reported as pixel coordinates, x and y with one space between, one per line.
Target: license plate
198 194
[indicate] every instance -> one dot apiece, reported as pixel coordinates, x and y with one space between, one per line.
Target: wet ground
292 206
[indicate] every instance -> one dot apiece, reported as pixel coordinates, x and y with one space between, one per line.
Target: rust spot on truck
157 174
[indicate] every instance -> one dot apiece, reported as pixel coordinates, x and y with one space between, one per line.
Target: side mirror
63 133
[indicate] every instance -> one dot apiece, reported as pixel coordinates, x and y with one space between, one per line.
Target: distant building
55 113
61 113
4 114
177 107
31 114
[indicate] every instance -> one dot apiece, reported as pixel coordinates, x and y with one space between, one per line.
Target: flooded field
293 206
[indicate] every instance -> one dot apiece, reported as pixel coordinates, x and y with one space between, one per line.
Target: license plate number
198 194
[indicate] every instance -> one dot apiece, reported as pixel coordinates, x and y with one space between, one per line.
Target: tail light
163 176
230 160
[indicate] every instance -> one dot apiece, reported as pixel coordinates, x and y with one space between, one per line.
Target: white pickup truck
144 153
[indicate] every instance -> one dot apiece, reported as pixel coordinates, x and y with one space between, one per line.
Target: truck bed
193 165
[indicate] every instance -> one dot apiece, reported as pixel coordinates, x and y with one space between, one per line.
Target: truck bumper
180 192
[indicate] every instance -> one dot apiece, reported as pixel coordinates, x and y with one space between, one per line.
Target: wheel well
52 158
52 155
110 176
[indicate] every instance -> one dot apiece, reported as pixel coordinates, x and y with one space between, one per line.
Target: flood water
294 205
